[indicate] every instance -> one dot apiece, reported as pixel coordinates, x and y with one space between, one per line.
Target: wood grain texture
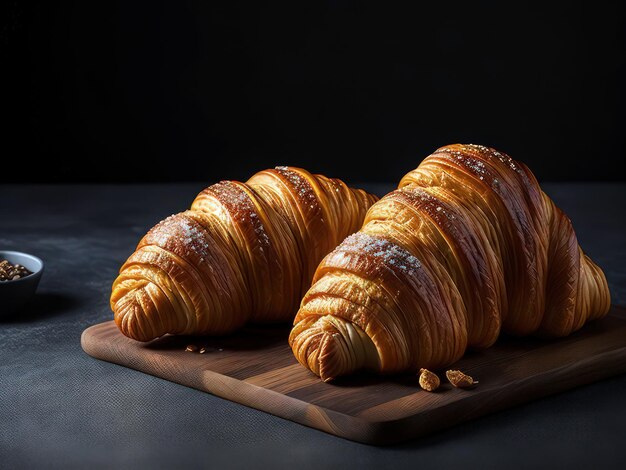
256 368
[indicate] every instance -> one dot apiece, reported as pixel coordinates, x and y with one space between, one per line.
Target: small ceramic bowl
15 294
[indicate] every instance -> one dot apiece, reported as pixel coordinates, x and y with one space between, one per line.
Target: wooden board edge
376 430
255 397
563 379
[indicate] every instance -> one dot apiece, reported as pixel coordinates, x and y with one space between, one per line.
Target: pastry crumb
460 380
428 380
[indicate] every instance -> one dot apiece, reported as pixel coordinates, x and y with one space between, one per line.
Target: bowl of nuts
19 277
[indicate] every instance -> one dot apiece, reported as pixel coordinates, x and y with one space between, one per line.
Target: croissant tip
132 319
327 357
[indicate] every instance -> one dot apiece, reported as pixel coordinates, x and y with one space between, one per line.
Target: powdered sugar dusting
336 184
476 166
194 239
490 152
301 186
384 250
479 160
181 230
241 208
417 197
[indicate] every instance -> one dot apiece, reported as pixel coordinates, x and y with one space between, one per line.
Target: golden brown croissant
244 252
468 245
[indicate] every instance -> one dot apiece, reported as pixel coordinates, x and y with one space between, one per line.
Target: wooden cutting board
256 368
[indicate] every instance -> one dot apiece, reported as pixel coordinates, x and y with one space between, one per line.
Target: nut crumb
191 348
460 380
428 380
203 350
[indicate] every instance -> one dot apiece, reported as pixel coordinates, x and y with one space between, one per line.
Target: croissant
468 246
243 252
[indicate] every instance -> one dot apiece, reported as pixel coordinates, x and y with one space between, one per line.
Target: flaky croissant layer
467 246
243 252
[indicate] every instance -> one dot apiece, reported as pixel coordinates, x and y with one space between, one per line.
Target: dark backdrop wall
171 91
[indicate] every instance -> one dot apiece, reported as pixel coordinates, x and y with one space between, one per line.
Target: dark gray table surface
62 408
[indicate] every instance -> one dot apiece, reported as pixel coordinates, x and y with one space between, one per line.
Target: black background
174 91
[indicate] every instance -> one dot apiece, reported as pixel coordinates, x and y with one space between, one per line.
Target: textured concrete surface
61 408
